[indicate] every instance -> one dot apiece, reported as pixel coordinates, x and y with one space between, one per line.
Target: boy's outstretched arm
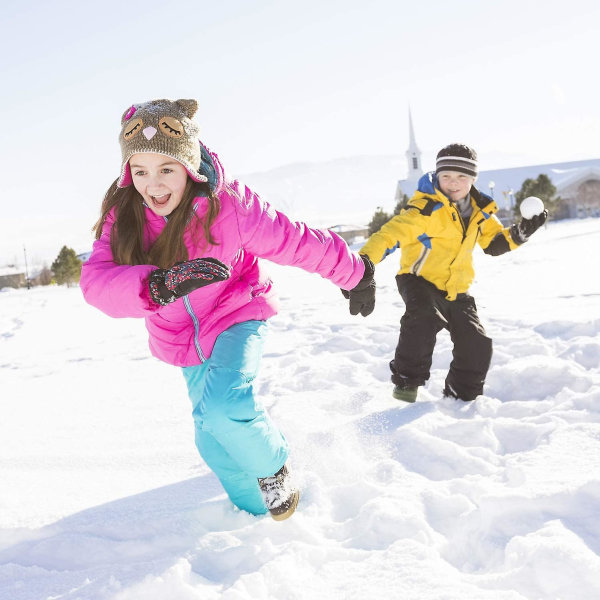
509 238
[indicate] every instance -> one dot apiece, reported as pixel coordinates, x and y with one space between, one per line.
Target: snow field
104 496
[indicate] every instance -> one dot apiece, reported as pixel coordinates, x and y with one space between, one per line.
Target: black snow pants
427 312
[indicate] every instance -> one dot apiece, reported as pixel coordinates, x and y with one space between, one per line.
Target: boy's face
455 185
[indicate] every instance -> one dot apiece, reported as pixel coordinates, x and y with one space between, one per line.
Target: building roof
344 228
561 175
10 271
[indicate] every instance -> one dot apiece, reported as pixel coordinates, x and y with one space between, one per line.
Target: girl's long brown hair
127 233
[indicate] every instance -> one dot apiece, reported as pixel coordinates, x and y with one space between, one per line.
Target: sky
283 82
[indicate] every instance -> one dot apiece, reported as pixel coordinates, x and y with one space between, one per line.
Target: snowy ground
102 494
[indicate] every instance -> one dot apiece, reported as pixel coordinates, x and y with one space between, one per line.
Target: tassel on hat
161 127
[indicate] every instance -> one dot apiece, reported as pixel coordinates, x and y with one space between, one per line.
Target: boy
436 233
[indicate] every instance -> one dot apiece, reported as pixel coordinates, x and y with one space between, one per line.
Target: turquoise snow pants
234 435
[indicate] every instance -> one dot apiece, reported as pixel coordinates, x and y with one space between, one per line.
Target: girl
178 244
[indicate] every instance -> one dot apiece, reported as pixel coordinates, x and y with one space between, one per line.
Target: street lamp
28 281
492 185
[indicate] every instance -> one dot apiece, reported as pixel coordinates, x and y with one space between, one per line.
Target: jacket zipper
462 223
190 310
464 229
418 264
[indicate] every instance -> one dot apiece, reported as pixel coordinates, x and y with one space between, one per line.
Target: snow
103 495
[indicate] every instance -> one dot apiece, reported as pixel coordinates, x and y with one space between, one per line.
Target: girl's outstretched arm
268 233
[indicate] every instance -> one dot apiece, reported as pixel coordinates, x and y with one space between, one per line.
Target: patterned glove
362 295
166 285
525 228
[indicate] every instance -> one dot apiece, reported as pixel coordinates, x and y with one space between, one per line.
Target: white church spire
413 154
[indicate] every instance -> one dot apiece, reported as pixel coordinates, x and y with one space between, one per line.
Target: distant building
12 277
576 182
351 233
413 154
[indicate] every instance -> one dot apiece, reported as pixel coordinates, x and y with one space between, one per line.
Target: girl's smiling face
160 179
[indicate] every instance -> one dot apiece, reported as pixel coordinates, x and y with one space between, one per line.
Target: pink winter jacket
184 332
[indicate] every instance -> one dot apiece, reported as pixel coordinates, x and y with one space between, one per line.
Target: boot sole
290 511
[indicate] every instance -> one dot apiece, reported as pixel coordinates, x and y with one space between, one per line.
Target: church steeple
413 154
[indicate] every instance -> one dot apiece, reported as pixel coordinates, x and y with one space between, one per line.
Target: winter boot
280 494
450 393
405 393
403 390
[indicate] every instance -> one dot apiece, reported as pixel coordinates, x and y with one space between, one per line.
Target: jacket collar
211 167
483 201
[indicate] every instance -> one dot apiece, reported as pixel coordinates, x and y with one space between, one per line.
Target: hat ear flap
189 107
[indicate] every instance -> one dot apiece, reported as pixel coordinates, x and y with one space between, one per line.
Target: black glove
525 228
362 295
166 285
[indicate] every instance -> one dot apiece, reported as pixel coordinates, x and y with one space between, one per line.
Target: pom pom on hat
457 157
161 127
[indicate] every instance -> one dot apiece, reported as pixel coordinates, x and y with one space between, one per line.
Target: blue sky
283 82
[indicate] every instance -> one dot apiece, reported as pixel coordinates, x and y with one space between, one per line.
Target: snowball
531 206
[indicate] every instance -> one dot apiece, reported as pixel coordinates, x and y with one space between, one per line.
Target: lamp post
26 269
492 185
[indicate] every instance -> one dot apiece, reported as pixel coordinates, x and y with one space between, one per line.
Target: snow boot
280 494
450 393
403 390
405 393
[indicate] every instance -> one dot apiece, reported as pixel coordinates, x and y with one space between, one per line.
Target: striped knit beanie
161 127
457 157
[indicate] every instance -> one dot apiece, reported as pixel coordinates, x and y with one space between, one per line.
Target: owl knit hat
457 157
161 127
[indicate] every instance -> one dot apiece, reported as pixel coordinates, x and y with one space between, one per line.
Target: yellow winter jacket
434 242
